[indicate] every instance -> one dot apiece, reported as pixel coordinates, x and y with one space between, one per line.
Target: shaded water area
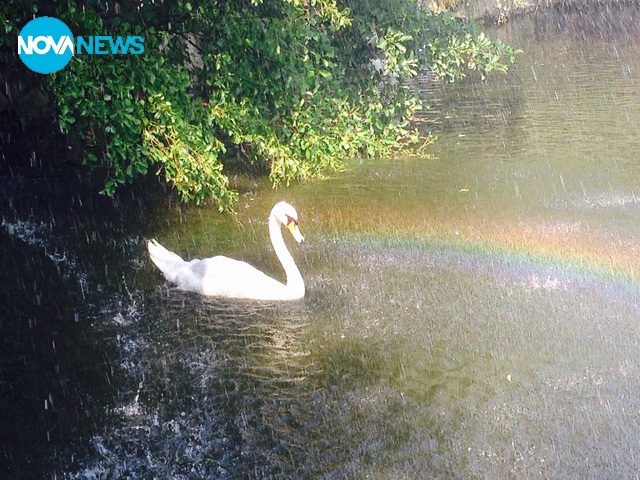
470 314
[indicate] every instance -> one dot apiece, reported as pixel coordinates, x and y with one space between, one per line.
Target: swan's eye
291 220
294 228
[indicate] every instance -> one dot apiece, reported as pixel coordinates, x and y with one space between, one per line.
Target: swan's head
285 214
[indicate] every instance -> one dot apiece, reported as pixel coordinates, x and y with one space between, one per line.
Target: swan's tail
168 262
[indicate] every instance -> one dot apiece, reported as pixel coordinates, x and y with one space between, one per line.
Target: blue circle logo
45 45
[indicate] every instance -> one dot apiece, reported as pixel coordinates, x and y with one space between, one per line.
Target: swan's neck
295 284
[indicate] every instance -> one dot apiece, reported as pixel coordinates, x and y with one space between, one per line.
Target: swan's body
226 277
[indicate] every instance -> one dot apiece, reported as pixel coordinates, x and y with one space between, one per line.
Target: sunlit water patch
488 353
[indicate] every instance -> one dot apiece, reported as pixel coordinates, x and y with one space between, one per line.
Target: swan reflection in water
225 277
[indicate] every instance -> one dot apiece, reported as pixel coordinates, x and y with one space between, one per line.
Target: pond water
472 313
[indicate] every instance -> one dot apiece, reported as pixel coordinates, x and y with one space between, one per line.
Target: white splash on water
31 232
535 282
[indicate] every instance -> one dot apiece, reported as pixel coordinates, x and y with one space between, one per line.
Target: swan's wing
223 276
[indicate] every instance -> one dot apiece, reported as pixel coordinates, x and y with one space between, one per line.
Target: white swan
225 277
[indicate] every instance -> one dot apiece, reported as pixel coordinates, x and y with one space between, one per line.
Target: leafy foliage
290 87
407 36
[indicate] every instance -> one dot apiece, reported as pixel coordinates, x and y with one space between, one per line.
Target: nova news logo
46 45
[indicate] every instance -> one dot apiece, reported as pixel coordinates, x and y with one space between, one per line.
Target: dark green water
471 314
